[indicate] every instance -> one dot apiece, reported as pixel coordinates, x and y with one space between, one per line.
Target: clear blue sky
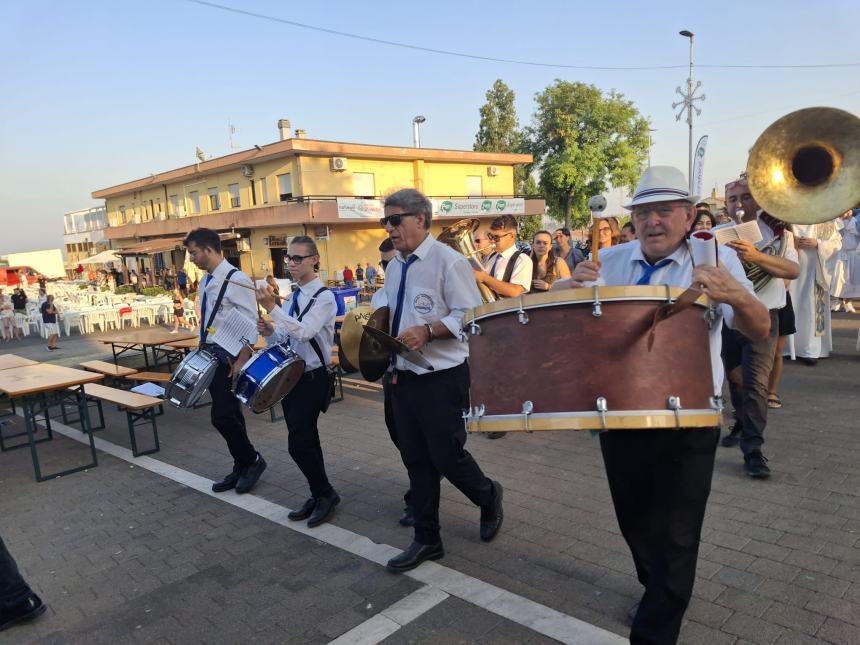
96 92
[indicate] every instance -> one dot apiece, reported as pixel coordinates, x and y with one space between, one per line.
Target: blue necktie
294 310
650 269
401 291
493 268
203 308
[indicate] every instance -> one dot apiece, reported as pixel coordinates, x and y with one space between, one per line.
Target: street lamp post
689 105
416 130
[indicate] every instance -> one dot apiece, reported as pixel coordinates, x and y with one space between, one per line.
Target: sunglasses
395 220
495 238
296 259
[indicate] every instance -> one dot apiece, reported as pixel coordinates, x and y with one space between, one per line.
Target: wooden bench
110 370
154 377
140 409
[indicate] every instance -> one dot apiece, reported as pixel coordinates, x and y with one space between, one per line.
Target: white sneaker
174 331
849 307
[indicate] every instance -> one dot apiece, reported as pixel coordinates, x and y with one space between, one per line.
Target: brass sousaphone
459 237
805 167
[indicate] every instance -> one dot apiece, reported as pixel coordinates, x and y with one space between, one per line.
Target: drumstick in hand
278 298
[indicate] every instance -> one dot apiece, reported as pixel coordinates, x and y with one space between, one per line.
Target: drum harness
330 373
205 331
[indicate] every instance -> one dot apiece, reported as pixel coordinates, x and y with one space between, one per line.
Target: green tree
583 142
499 131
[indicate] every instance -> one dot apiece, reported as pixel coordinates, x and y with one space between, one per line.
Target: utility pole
689 105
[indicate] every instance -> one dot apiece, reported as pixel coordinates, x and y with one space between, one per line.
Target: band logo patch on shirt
423 303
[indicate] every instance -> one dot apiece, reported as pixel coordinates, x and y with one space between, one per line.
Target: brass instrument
758 276
459 237
805 167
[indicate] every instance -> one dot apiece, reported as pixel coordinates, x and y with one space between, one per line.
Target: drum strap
205 332
313 341
509 269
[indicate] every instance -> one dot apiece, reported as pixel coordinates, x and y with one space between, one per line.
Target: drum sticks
278 299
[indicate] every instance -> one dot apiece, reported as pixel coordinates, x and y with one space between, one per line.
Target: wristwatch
430 335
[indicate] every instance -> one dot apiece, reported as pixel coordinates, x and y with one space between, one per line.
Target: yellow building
260 198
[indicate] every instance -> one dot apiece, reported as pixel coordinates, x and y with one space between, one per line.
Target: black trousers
390 425
428 415
749 398
660 481
302 408
13 589
227 418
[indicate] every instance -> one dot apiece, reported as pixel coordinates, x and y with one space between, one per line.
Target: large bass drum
578 359
268 377
191 378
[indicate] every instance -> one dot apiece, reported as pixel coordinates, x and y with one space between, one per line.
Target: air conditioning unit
337 163
247 170
492 171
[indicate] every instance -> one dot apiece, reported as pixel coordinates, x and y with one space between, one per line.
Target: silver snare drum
191 378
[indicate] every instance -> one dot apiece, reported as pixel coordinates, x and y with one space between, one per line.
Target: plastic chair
22 322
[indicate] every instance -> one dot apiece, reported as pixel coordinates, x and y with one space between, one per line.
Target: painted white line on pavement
377 628
539 618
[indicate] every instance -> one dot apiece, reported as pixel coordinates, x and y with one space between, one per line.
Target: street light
688 105
416 130
650 144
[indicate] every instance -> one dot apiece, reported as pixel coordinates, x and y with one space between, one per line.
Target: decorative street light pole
688 105
416 130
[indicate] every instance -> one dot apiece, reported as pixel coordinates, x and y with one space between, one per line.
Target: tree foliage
583 142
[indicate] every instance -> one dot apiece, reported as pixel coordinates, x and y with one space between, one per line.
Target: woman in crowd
179 312
547 268
704 221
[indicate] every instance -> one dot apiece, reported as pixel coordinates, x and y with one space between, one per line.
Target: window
473 186
264 191
214 200
174 206
234 195
285 187
363 184
122 215
195 201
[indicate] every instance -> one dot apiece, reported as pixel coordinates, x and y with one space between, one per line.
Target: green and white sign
350 208
479 207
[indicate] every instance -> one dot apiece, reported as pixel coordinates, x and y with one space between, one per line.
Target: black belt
406 376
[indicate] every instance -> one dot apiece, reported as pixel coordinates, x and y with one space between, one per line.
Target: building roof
312 148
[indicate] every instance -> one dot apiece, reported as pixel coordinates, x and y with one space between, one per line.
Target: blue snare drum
268 377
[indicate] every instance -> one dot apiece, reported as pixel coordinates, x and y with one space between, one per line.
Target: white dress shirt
772 295
235 297
620 266
440 286
317 323
522 274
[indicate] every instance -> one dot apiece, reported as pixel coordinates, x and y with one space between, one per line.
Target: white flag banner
699 166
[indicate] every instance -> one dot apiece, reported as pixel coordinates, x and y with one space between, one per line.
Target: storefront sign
349 208
479 207
277 241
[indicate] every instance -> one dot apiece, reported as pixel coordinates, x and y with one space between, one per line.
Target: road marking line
539 618
377 628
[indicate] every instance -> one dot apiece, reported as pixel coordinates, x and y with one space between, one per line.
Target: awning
153 246
102 258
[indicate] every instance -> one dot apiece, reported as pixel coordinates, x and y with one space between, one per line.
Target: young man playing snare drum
660 479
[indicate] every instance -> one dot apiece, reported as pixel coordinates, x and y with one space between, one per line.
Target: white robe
846 278
810 293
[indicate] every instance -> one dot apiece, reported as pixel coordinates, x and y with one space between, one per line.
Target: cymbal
805 167
350 336
373 359
391 344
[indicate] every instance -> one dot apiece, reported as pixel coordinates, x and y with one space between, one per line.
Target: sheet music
235 329
749 231
150 389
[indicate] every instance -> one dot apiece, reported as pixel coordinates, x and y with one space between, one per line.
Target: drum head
278 386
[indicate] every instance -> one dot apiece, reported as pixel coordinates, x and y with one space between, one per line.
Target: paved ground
137 551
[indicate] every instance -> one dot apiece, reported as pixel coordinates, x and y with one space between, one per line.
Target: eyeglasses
395 220
495 237
663 211
296 259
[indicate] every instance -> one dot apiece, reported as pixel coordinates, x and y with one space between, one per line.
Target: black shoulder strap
217 304
509 269
313 341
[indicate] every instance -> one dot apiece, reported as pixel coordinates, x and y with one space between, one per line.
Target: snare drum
191 378
268 377
584 362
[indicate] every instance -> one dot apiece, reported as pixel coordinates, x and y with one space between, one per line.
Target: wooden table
193 343
31 384
141 340
8 361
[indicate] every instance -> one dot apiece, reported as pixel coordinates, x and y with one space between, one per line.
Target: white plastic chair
23 323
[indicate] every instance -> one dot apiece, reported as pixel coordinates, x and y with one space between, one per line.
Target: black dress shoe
304 512
23 612
228 483
251 475
808 361
496 435
733 438
408 517
415 555
323 509
492 516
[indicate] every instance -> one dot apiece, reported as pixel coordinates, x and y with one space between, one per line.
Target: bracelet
430 334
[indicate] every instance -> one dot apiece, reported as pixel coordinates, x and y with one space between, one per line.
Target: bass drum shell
268 377
564 358
191 378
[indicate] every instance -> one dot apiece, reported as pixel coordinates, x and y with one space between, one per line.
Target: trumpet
459 237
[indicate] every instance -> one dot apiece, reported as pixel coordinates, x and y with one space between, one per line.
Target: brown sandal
773 401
